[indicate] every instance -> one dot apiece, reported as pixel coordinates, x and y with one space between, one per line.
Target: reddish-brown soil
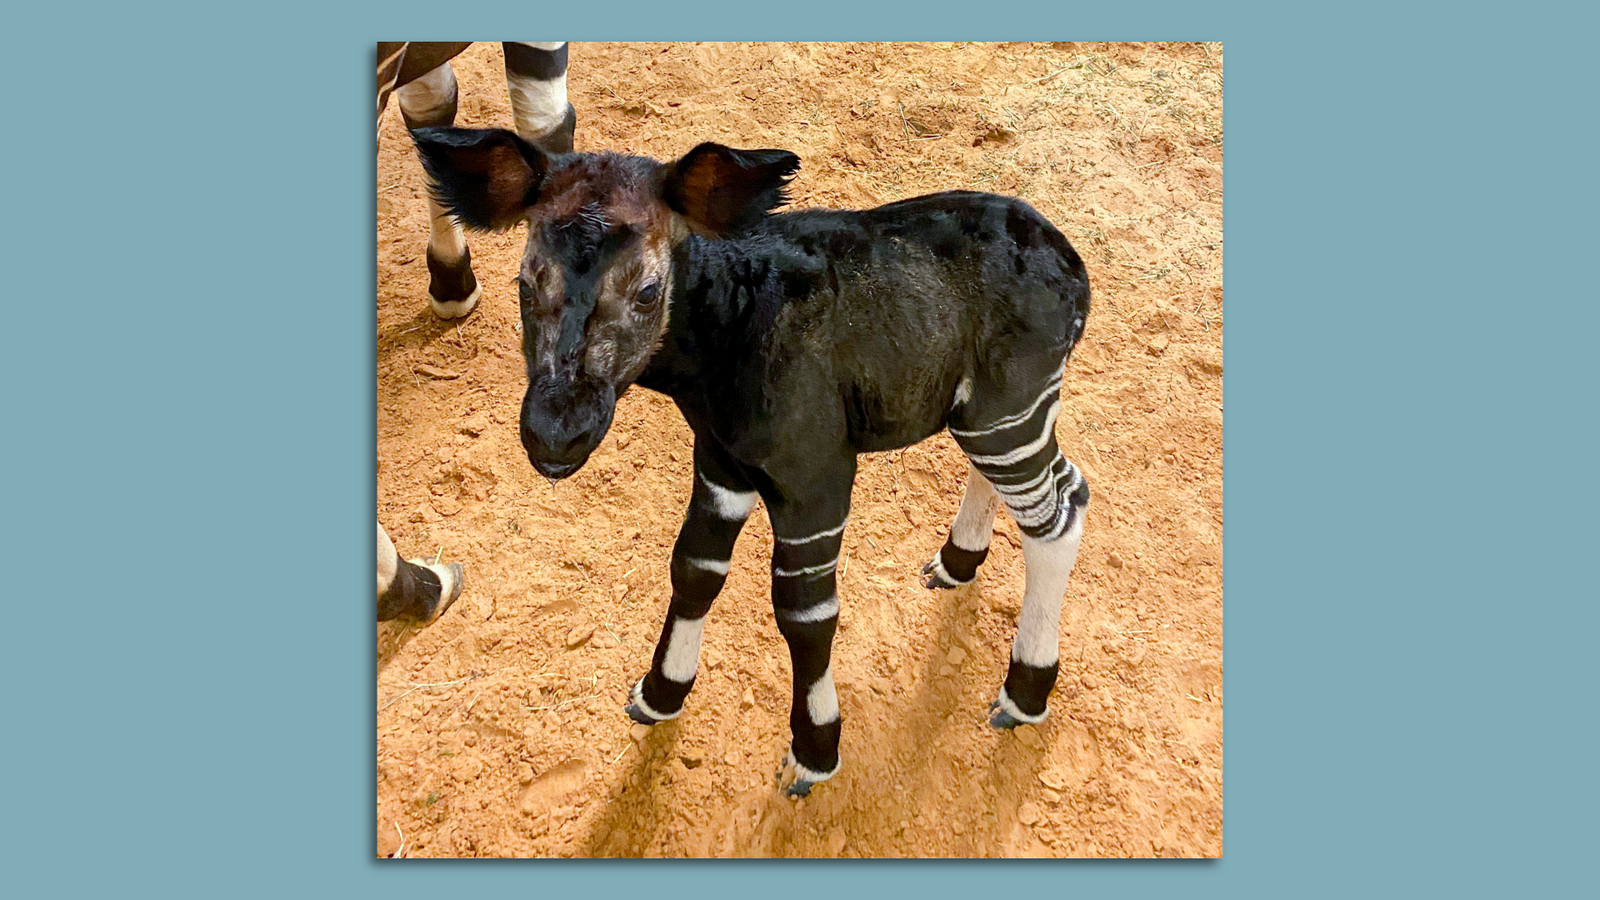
500 729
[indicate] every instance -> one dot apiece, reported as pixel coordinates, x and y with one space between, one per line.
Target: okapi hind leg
453 291
967 547
1035 652
1011 442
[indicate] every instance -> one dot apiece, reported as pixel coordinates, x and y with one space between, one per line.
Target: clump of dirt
500 729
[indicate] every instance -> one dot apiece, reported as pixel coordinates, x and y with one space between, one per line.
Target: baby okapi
791 343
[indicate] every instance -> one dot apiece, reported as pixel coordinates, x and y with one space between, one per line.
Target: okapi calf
791 343
416 588
419 73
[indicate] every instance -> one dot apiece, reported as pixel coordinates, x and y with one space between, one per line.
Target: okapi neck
718 287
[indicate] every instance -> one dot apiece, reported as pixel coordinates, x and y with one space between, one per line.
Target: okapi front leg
453 291
422 589
720 503
805 599
536 77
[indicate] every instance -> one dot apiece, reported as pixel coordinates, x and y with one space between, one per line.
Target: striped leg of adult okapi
1011 442
453 291
536 77
808 530
718 506
413 588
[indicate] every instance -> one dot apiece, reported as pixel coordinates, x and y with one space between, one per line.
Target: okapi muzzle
562 421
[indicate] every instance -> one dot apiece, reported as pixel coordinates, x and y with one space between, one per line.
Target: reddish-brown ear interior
721 191
511 181
487 178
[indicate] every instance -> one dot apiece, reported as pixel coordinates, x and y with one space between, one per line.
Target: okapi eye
647 296
524 292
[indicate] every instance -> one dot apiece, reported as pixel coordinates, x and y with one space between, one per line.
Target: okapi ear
486 177
721 191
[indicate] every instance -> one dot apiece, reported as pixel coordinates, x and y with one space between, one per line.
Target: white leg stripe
427 97
1048 566
732 506
1040 511
719 566
807 571
445 237
388 560
683 649
1026 486
1034 490
822 701
1011 421
821 534
963 391
636 697
1027 450
455 309
975 519
1010 706
537 107
823 611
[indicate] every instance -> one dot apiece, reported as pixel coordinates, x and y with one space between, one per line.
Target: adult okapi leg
453 291
808 530
718 506
1011 441
418 589
536 77
965 549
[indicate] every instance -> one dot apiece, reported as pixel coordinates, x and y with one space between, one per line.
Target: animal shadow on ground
950 708
633 808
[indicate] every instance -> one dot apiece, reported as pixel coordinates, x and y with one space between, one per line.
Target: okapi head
596 276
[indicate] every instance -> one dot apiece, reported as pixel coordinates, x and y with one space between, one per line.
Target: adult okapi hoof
934 576
451 577
458 577
455 309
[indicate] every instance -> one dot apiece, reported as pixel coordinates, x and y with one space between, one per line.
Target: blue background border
189 361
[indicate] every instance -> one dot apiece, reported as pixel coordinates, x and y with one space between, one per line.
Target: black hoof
935 578
457 579
640 716
1000 720
798 784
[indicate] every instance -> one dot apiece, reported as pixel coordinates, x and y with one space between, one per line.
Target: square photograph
799 450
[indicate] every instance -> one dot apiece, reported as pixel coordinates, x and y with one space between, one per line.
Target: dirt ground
500 729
